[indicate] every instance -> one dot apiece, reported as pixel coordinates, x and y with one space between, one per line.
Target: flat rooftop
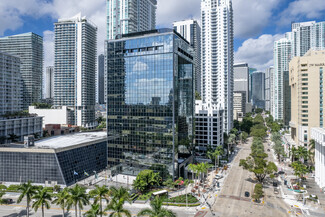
63 141
68 140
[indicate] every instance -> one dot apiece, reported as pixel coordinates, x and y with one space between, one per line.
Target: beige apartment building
306 80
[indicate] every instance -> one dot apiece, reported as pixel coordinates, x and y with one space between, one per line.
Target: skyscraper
307 35
101 82
127 16
191 31
11 84
282 57
150 110
29 48
75 68
49 84
269 88
258 89
241 79
217 56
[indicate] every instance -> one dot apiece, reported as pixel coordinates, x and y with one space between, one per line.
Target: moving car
219 176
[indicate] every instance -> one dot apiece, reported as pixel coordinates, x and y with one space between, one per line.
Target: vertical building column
322 167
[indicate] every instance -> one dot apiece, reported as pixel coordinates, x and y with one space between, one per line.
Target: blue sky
257 22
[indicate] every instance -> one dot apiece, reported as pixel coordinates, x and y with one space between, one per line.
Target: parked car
276 191
246 194
219 176
268 149
275 184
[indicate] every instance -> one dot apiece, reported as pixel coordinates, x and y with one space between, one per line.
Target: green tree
258 132
26 190
94 211
13 137
146 179
258 165
116 206
61 199
299 169
279 150
258 192
42 199
247 124
215 154
120 193
77 198
100 194
258 119
1 195
302 153
169 183
244 136
197 96
157 209
311 151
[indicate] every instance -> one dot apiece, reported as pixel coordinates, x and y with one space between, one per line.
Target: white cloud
252 16
301 9
258 53
169 11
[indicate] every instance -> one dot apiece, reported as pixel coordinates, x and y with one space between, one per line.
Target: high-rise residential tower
49 84
11 84
217 56
150 110
191 31
29 48
307 35
128 16
101 77
75 68
269 88
258 89
282 56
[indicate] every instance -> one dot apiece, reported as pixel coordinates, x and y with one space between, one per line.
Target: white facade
217 56
241 79
49 82
282 57
11 86
318 134
75 68
208 125
127 16
191 31
52 116
307 35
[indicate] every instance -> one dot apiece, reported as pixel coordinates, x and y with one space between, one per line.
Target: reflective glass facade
149 100
40 165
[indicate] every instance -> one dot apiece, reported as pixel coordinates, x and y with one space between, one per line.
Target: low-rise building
57 129
58 115
56 160
208 126
239 105
16 127
318 134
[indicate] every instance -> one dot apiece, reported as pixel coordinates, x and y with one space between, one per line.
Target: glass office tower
29 48
149 100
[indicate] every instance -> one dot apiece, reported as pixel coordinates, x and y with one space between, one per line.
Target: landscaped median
181 201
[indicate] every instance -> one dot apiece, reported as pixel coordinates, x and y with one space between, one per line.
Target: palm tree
156 209
13 137
231 140
193 168
215 155
94 211
293 153
27 190
61 199
302 153
120 193
77 198
100 193
116 206
311 151
42 199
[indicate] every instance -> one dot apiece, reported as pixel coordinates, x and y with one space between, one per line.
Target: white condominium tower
75 68
127 16
191 31
217 56
307 35
282 56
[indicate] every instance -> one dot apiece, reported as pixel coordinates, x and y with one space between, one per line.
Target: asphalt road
231 201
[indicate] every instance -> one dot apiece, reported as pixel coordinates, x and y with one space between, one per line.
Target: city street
231 200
